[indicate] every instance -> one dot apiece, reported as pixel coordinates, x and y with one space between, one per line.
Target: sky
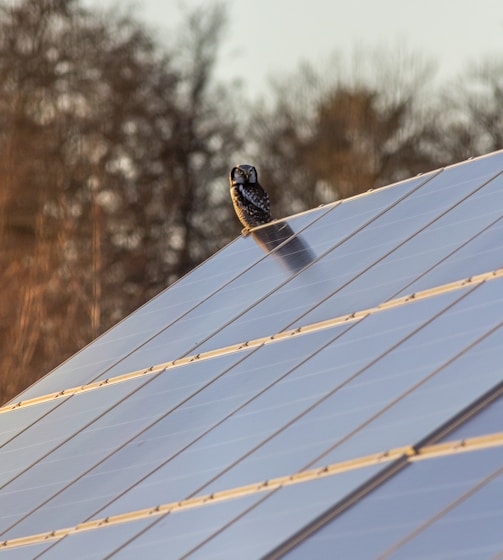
269 38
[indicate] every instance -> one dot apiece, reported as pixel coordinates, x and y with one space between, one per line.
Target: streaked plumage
251 202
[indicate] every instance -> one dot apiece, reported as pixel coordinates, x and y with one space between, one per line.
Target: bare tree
204 137
324 139
110 150
469 116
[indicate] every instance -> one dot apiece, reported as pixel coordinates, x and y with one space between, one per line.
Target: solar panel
195 303
276 399
421 512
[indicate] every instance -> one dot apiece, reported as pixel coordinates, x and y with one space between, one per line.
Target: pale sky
265 38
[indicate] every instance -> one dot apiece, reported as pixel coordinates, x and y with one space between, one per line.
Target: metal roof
337 393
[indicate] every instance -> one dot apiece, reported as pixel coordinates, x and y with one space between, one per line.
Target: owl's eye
240 172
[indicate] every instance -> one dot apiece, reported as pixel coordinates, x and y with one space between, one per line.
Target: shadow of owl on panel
253 208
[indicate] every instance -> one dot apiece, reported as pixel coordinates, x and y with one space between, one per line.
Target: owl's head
242 174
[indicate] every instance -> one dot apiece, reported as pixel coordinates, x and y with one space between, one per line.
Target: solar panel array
348 406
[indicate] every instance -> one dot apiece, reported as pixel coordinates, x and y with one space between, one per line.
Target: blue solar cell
488 420
16 421
368 267
53 430
481 253
254 531
470 530
23 552
94 544
403 504
352 216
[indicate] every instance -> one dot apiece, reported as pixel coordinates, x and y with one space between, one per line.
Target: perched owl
251 202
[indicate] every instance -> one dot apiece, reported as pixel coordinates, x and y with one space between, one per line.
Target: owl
250 201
